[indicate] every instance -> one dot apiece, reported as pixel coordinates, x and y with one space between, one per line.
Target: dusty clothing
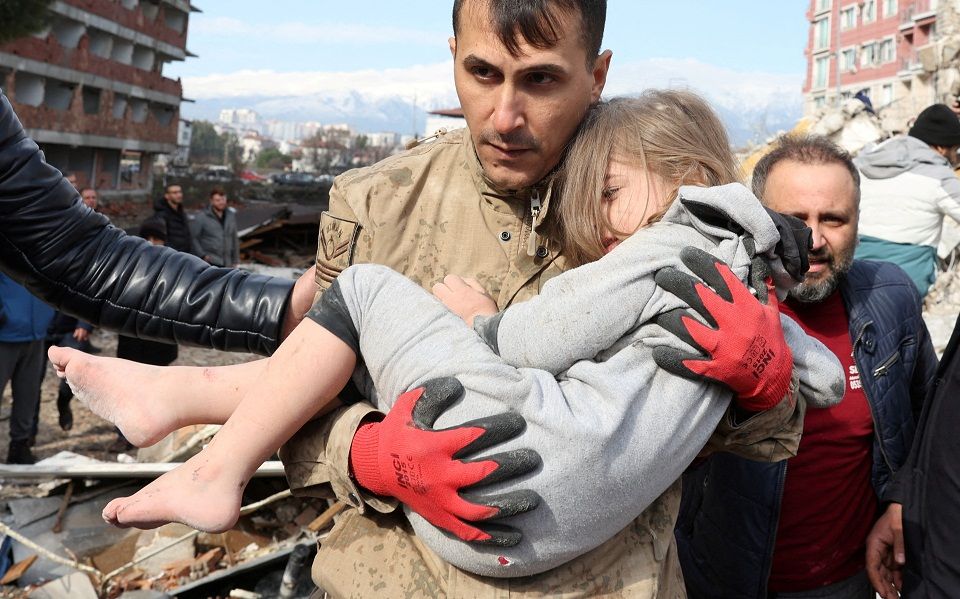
378 555
426 213
215 238
577 364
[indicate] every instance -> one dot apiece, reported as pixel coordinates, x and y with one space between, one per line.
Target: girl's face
631 196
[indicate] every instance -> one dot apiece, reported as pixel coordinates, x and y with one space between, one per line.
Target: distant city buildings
90 89
891 49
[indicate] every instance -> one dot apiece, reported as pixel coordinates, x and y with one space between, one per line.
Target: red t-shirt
829 504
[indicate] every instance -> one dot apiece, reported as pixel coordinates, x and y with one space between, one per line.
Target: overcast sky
300 47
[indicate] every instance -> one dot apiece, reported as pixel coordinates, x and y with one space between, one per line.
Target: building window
821 70
888 51
91 100
823 5
848 17
869 11
889 8
886 94
819 101
848 60
868 55
821 34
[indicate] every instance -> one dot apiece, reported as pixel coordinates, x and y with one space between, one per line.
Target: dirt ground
92 436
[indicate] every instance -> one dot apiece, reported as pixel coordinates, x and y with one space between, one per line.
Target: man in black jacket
170 208
914 548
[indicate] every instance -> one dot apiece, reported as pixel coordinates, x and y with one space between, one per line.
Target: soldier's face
824 197
522 110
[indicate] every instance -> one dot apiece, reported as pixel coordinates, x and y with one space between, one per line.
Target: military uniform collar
543 189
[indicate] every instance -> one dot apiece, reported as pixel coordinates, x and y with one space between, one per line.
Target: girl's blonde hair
674 134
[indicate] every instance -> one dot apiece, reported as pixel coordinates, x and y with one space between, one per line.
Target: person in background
89 197
170 208
215 232
68 331
797 529
907 186
23 328
145 351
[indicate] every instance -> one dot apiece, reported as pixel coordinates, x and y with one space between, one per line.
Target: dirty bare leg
148 402
305 374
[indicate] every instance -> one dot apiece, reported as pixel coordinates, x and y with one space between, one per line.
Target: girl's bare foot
133 396
200 493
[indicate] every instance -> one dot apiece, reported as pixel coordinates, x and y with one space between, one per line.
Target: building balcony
81 59
918 12
138 126
156 20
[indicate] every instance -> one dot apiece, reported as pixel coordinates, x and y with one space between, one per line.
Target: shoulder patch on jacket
335 247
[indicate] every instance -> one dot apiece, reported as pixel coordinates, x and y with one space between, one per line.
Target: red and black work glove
743 348
405 458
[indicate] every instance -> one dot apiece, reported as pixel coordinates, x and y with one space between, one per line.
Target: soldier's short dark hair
805 149
217 191
537 22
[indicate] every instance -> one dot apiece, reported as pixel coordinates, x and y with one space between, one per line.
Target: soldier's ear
453 46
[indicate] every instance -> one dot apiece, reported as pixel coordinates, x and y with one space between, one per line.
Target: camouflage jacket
430 212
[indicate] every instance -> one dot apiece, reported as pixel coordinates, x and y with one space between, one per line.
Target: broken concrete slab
151 540
71 586
84 533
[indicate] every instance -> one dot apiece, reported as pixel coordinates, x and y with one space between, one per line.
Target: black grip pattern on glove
438 396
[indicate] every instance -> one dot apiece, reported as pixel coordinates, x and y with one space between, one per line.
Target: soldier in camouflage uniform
477 203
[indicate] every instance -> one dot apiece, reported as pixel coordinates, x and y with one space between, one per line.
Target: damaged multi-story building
90 89
904 54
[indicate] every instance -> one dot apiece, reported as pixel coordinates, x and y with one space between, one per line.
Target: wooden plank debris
324 519
17 570
111 470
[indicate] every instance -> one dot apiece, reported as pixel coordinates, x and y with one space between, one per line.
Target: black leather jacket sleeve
73 259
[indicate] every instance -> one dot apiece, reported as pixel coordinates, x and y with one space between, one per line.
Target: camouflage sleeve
768 436
317 458
337 242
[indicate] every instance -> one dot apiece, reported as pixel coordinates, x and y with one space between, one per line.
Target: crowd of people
574 350
28 327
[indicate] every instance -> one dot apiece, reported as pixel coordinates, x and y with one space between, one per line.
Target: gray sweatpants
22 364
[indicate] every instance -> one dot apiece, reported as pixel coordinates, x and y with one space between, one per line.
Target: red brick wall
75 120
134 19
50 51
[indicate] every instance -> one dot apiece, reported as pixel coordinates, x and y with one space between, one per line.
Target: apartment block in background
91 91
887 48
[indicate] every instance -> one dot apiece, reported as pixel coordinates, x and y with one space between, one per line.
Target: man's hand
744 347
465 297
81 334
406 458
885 553
301 298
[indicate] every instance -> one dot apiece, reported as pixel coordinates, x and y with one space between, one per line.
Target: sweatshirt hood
897 156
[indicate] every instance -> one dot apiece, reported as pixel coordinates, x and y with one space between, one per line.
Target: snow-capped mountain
753 106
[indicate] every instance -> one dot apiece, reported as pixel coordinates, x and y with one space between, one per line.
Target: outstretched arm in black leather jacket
73 259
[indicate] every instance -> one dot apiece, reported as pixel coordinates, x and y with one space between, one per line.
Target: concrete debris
72 586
